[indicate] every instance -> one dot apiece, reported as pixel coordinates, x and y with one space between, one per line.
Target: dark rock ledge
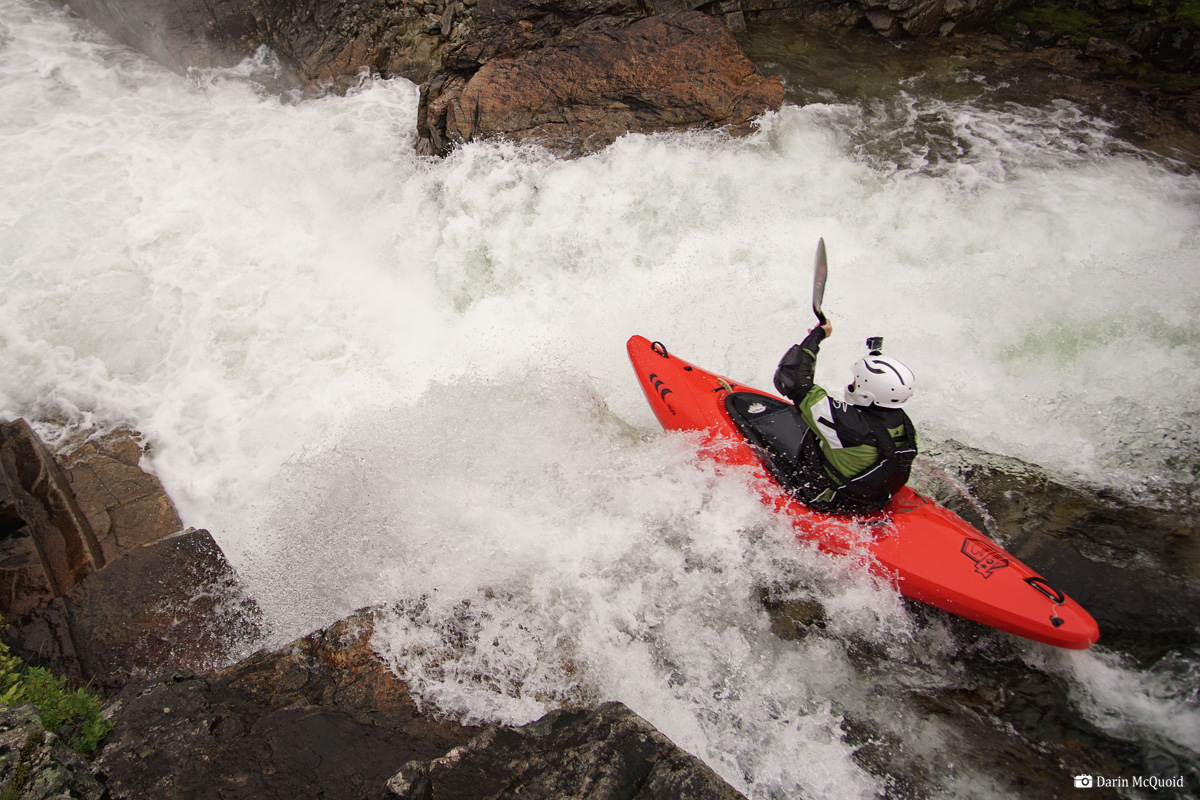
99 582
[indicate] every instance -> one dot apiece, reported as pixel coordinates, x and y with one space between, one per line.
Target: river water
381 379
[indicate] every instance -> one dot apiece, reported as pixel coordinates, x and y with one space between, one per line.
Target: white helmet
880 380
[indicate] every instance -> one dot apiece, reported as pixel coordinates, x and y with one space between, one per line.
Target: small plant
20 773
1061 20
1187 12
1169 82
58 702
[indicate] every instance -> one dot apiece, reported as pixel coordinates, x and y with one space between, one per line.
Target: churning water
378 378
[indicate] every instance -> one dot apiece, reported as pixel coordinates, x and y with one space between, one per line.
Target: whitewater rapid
383 379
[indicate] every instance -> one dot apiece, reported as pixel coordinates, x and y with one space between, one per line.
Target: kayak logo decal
663 390
756 408
987 557
660 386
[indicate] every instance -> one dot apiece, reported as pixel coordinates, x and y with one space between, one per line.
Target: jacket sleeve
794 377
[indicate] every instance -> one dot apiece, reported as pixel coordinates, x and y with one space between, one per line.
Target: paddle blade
820 272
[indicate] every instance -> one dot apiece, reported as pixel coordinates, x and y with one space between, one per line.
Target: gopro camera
875 345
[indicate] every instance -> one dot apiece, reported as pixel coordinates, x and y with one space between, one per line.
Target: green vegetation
20 773
1169 82
1188 13
1077 21
1179 12
1062 20
58 703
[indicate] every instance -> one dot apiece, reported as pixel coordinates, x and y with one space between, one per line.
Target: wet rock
608 753
892 18
1109 49
46 531
1026 729
174 604
1136 570
325 716
792 614
37 765
125 506
321 717
1013 724
580 94
142 597
1175 48
505 28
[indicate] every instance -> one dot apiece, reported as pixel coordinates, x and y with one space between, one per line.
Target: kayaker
855 454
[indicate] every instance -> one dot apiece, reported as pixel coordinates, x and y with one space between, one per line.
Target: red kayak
927 551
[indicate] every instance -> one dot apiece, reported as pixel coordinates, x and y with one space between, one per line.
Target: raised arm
795 375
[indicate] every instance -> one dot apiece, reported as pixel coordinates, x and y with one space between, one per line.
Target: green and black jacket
853 458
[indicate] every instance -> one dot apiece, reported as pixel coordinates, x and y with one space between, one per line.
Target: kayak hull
928 552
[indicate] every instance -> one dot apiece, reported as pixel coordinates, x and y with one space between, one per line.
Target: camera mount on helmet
879 379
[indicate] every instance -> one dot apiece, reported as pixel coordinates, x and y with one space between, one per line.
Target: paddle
820 272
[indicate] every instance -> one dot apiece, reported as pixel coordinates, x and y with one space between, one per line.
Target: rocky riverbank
158 622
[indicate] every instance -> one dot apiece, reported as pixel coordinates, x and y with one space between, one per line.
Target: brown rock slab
664 73
169 605
125 506
44 524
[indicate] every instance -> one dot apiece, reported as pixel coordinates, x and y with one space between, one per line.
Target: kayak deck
928 552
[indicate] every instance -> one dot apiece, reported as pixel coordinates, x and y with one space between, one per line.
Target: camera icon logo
1083 781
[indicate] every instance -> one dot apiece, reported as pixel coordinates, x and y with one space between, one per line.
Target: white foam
1160 704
